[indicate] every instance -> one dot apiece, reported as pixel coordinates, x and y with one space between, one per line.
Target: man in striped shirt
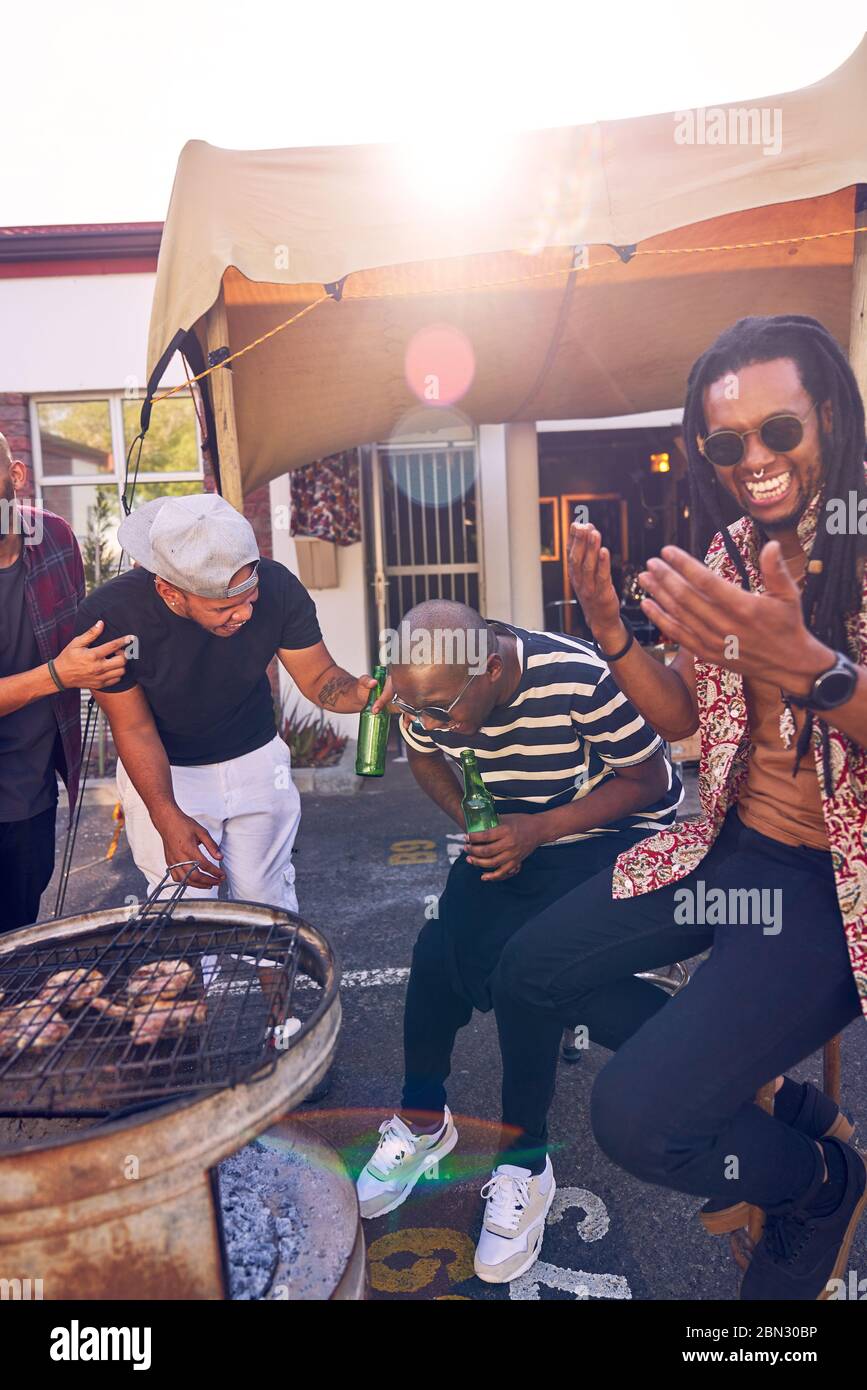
577 776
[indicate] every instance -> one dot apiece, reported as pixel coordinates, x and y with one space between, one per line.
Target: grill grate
164 1004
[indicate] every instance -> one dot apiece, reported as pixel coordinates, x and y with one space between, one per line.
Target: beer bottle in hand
373 731
477 803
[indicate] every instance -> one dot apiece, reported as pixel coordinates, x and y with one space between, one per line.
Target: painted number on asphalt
437 1248
593 1225
412 852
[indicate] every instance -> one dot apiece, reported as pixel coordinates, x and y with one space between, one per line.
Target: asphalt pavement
367 866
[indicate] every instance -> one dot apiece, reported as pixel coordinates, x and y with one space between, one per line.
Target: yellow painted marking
412 852
430 1244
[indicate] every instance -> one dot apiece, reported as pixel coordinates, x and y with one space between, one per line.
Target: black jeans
674 1106
26 866
457 952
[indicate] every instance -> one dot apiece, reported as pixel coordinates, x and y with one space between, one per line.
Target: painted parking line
581 1285
363 979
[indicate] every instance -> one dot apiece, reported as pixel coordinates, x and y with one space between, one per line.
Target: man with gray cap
203 774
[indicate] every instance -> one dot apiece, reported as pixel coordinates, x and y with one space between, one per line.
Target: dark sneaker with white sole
819 1117
802 1251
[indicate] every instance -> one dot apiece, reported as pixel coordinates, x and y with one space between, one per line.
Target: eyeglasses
442 716
779 433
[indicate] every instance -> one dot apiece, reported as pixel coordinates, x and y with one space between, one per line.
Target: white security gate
425 532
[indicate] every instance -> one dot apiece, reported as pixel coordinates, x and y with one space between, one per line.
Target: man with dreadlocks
772 631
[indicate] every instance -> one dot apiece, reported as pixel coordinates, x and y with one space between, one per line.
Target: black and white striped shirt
566 729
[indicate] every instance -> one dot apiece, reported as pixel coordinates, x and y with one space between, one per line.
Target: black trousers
674 1106
26 866
458 951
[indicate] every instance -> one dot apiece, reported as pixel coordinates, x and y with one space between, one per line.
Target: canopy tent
587 270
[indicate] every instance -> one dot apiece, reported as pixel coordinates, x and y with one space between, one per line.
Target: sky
98 97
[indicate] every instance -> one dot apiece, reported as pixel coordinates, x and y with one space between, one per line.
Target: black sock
423 1129
523 1158
831 1193
788 1100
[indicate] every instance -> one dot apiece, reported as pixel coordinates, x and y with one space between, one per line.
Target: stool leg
831 1069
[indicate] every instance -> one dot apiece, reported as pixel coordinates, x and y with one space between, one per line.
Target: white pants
250 806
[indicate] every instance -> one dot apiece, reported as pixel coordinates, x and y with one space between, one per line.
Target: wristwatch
831 688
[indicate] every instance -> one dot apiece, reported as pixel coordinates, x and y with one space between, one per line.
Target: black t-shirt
210 696
28 785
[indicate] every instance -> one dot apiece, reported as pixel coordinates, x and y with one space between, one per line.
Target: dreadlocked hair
833 594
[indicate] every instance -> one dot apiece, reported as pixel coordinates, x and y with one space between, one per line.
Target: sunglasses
779 433
437 712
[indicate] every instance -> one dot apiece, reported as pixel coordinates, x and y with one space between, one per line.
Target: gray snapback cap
197 543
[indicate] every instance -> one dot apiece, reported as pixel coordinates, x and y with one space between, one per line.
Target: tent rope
92 718
513 280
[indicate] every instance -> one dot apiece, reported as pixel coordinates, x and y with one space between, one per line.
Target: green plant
96 550
312 739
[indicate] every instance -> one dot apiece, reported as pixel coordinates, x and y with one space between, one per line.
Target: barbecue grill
219 1016
128 1207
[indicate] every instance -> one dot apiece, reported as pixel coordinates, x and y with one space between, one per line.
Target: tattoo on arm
333 689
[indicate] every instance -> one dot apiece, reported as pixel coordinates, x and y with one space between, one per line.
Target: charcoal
261 1224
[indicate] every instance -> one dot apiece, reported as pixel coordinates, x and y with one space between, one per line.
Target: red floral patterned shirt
725 741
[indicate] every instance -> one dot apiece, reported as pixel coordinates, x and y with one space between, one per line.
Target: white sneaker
399 1160
514 1224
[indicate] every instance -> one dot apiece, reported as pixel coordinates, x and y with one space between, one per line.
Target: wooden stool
670 983
744 1241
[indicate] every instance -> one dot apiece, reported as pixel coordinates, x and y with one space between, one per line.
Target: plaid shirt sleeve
54 587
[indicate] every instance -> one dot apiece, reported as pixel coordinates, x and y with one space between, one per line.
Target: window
80 445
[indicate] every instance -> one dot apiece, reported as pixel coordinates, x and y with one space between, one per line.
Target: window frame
116 400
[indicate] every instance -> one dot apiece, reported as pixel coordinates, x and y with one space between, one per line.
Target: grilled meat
34 1024
161 979
74 988
165 1017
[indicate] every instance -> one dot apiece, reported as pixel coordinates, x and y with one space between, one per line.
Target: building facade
447 509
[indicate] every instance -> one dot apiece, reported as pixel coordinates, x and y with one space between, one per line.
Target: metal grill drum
144 1009
126 1208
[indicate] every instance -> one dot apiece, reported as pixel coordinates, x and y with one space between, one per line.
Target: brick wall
15 424
257 509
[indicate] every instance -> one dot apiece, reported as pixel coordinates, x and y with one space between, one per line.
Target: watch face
834 687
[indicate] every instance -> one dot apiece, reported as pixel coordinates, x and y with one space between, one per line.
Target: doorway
608 512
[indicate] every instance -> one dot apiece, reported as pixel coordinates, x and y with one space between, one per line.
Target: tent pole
223 400
858 320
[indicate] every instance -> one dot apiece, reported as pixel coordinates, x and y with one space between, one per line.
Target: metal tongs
149 914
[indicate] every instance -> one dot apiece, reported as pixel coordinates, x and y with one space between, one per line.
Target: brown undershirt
772 801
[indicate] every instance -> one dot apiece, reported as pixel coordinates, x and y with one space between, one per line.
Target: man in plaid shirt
43 667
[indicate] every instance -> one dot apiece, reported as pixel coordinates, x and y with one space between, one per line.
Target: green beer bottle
373 732
477 803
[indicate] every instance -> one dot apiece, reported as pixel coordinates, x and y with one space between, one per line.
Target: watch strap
616 656
813 699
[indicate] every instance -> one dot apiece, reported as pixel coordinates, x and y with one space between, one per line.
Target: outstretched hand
760 635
